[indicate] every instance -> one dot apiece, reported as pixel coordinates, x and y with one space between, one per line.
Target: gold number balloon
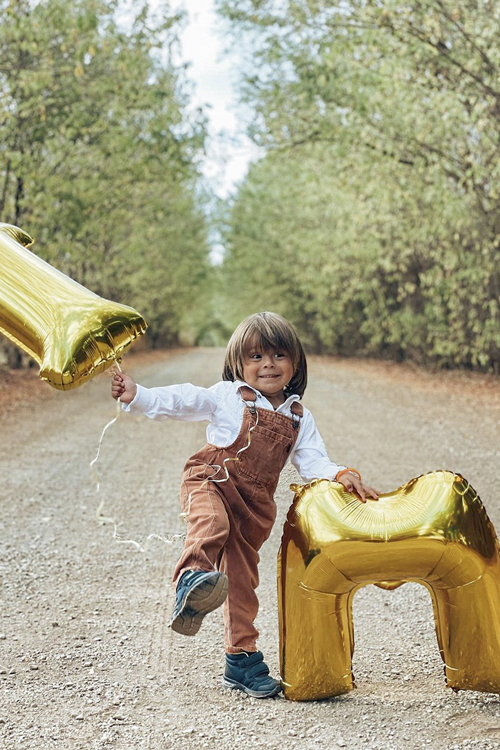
71 332
434 530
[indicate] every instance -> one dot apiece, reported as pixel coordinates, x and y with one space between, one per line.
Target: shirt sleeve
309 455
186 402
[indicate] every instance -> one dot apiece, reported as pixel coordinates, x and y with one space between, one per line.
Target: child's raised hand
123 387
352 483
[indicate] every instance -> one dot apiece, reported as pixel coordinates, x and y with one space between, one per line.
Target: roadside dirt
86 657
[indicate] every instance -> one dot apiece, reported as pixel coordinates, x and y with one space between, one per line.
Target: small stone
55 624
189 730
341 743
79 717
33 667
3 637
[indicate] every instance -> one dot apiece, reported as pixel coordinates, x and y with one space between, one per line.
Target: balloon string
99 516
168 539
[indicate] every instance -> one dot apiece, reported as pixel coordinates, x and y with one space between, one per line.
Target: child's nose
268 360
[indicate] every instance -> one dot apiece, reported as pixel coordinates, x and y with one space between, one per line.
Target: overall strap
249 397
297 413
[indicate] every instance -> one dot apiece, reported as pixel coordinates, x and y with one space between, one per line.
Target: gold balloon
434 530
71 332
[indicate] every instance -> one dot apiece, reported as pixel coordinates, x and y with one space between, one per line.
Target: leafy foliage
374 220
99 152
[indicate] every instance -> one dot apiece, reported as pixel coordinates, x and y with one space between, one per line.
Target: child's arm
311 460
352 482
123 387
184 401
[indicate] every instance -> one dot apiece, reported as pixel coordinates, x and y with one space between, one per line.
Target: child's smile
269 371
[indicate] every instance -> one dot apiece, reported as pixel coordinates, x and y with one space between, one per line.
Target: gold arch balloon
71 332
434 530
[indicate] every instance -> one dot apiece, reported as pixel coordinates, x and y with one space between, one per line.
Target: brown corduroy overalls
228 521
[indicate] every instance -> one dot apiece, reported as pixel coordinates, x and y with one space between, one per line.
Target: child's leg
199 587
245 667
207 526
239 561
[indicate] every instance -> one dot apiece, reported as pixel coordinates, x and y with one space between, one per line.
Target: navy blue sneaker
198 592
248 672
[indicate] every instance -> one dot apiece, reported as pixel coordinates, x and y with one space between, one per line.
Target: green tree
388 116
99 151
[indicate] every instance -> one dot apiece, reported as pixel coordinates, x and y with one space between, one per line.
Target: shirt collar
237 384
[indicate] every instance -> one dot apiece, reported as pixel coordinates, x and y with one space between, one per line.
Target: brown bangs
266 330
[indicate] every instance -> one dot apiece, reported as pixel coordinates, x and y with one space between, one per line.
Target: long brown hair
269 331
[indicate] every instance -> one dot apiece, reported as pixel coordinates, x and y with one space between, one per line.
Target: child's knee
221 525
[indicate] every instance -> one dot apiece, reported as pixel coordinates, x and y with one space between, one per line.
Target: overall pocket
266 455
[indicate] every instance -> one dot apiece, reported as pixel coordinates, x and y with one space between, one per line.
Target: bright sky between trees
215 76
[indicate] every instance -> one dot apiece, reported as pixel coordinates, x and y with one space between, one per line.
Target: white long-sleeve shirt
223 407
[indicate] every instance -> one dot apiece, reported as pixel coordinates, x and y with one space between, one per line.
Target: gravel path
86 657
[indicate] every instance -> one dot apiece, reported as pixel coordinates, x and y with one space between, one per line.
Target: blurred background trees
99 154
373 221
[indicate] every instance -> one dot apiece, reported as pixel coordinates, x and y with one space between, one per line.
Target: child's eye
255 356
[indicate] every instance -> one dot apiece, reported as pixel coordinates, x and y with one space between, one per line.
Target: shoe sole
233 685
198 602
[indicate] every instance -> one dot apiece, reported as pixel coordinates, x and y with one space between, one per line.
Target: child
255 424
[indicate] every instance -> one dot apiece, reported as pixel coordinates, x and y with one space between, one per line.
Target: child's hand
123 387
353 484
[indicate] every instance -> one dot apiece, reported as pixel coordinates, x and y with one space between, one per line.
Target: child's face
269 371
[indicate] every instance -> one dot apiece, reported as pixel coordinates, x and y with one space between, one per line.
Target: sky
215 78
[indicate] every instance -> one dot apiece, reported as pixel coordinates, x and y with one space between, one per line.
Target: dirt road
86 657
